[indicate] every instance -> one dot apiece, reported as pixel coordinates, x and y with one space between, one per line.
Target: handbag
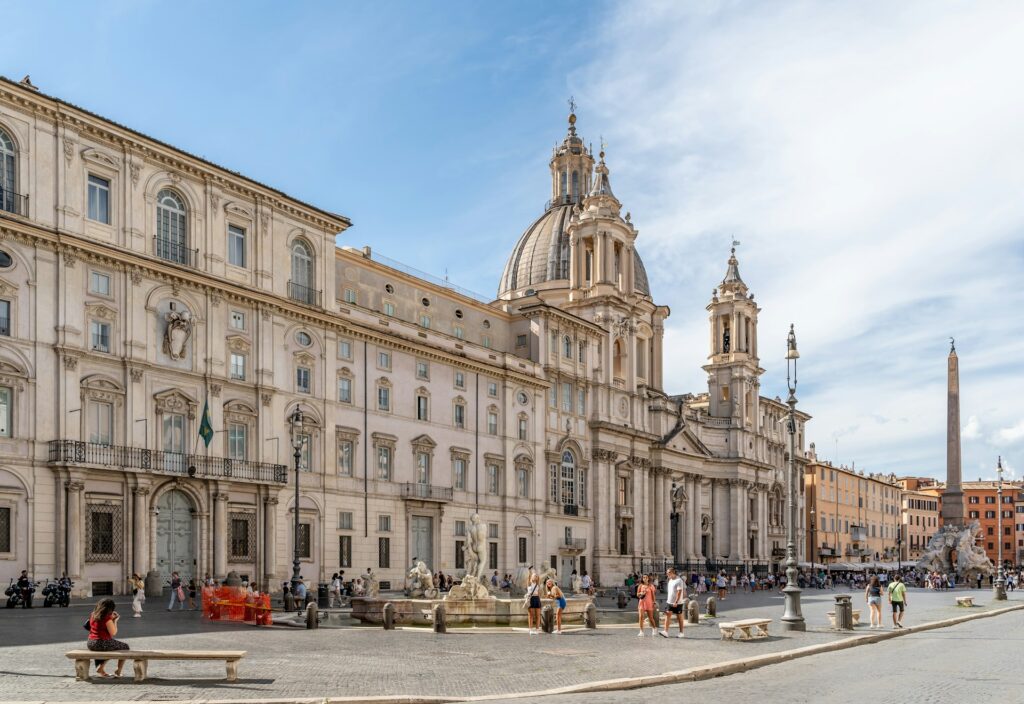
181 594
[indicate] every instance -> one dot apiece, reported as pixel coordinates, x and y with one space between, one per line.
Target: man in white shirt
674 602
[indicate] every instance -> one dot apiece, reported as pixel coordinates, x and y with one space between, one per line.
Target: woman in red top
102 629
645 594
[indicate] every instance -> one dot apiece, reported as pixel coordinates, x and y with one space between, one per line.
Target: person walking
873 596
335 593
177 593
721 585
898 598
555 592
532 601
102 632
138 594
645 604
674 602
192 589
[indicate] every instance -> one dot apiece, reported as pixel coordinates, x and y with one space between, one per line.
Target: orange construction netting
236 604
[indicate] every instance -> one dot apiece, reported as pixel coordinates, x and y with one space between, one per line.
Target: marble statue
547 572
475 549
372 585
971 559
421 582
470 588
577 584
177 333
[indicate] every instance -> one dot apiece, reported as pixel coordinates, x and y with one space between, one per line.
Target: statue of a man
476 547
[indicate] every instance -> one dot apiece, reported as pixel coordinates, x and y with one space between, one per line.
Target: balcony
426 492
16 203
175 252
826 551
574 544
304 294
778 552
5 327
570 510
75 453
623 511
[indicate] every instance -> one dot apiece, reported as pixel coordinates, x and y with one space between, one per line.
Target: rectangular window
523 426
305 454
384 360
350 296
422 468
384 553
6 413
492 423
459 473
302 379
553 397
345 520
492 389
567 397
493 479
460 380
583 352
553 483
99 283
520 340
101 423
383 398
384 523
5 318
237 320
522 551
460 528
345 390
99 336
460 554
237 366
345 550
236 246
239 538
460 416
422 370
486 342
345 458
101 534
422 408
344 349
492 530
459 332
5 529
492 556
581 402
425 321
384 463
389 308
523 483
99 199
304 544
237 446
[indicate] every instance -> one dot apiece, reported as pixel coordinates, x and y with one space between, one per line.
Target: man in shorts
897 592
674 602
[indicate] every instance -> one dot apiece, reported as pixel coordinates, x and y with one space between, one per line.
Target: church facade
144 290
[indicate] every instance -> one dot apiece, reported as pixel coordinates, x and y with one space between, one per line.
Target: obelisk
953 496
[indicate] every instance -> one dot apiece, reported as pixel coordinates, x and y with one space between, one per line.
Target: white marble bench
748 628
141 658
832 617
965 601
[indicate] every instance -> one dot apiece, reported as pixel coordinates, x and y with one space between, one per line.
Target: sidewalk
293 663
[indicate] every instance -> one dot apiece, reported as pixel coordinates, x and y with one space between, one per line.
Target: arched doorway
175 543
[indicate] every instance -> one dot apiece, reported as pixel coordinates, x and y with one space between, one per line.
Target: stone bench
141 658
965 601
832 617
744 628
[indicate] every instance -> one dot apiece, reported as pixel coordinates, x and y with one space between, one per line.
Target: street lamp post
814 544
792 619
999 587
296 437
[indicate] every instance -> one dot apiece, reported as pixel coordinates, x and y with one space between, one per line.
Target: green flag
206 426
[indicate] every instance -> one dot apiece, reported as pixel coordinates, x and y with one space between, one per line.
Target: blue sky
867 156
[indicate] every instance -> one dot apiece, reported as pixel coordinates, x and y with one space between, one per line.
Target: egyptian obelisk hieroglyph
953 496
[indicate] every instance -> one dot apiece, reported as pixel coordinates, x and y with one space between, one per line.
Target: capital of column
141 491
74 485
221 497
271 501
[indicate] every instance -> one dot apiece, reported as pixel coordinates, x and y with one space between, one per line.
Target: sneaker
558 633
679 636
640 634
532 632
663 634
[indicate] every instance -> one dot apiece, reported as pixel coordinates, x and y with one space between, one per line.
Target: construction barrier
236 604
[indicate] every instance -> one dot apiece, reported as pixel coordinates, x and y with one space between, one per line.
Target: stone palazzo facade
141 285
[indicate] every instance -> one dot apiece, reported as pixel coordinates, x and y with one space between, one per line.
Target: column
762 497
598 264
613 543
640 515
269 542
655 527
75 529
140 532
574 261
220 535
734 527
716 521
695 528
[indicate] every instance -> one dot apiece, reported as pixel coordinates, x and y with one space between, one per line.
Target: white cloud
868 158
1010 435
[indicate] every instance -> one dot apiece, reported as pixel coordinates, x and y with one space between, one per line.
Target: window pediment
422 391
238 412
95 156
100 311
345 372
383 381
384 440
491 458
237 343
423 442
304 358
174 401
100 388
460 453
343 433
237 209
7 288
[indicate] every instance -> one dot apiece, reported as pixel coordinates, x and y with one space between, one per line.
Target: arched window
564 190
617 355
171 228
567 347
575 185
303 280
568 479
8 184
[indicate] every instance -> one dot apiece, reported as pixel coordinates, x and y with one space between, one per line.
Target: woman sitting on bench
102 629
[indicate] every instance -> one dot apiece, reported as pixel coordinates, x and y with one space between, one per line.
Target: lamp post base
793 619
999 588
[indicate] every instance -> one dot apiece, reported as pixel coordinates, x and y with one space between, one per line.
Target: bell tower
733 369
571 167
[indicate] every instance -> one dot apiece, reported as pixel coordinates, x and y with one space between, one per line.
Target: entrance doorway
421 540
175 544
565 572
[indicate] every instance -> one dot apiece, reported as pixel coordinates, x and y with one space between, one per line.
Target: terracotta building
920 517
980 504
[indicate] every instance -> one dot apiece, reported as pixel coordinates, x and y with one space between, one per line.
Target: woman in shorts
555 592
645 595
873 595
533 603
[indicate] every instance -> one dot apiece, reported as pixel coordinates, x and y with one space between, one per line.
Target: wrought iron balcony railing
304 294
11 202
176 252
5 327
426 492
570 510
77 452
575 543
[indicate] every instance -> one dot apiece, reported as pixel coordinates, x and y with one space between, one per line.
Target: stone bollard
311 617
440 619
289 601
657 618
621 600
590 615
711 607
389 616
693 612
547 619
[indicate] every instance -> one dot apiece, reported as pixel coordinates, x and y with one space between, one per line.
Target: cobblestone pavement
978 661
286 662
